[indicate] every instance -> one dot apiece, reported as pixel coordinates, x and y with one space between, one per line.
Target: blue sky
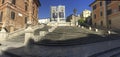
80 5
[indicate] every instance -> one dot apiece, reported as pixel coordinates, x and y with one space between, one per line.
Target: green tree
81 21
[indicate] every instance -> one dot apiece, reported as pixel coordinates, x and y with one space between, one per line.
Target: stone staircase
45 28
67 32
19 38
98 49
108 53
116 55
90 46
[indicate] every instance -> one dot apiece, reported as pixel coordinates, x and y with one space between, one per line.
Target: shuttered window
3 1
13 15
25 20
1 16
14 2
26 7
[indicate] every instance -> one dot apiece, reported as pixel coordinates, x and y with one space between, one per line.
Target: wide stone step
116 55
7 54
36 32
52 36
107 53
19 38
66 32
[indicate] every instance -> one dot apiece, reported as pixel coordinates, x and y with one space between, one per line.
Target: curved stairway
20 38
87 46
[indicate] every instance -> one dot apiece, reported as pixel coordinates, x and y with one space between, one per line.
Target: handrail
21 31
16 33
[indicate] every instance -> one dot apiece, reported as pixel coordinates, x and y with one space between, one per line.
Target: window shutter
12 15
1 15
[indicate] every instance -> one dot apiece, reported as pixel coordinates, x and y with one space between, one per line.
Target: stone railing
37 27
21 31
52 29
29 34
3 34
44 33
16 33
98 31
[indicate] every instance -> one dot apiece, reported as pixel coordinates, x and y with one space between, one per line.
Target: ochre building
106 14
15 14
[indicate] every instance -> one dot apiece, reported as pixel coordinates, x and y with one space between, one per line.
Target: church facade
58 13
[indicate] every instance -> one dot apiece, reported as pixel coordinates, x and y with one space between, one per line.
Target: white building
58 16
85 14
44 21
58 13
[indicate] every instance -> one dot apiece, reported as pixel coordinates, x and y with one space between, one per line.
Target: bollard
28 35
79 26
90 28
42 33
50 30
82 27
96 30
109 32
3 35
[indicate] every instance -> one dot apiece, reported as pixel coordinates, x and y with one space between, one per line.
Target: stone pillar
42 33
82 27
3 35
79 25
6 18
29 40
28 35
11 29
76 23
90 28
109 32
96 30
30 10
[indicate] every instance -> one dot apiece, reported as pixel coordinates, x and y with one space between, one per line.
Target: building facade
86 16
44 20
106 14
58 13
86 13
15 14
73 19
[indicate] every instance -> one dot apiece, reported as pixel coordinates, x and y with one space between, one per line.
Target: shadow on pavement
31 50
91 38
